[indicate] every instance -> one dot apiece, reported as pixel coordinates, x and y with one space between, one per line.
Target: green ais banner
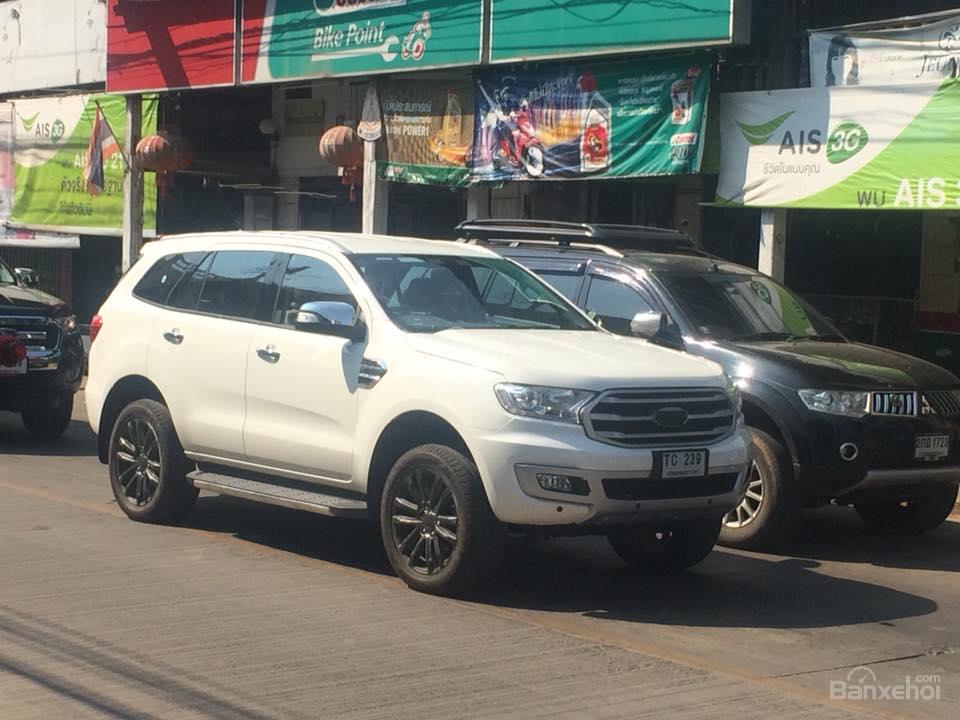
591 118
428 126
539 29
51 137
892 147
322 38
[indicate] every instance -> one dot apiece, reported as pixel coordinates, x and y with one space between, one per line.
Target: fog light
563 484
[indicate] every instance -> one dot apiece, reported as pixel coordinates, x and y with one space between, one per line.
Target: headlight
545 403
67 323
836 402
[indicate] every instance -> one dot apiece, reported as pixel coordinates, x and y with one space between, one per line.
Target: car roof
675 262
337 242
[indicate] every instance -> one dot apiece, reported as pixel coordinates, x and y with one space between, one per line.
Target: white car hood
570 358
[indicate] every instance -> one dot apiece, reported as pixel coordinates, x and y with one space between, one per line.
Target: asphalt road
253 612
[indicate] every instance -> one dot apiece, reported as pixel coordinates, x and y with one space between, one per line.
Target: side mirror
27 277
657 328
646 324
330 318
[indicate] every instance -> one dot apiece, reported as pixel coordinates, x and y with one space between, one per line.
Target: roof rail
585 247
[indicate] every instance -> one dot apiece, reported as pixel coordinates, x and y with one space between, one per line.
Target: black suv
832 420
41 354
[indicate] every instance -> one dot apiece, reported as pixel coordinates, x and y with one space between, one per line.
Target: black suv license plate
681 463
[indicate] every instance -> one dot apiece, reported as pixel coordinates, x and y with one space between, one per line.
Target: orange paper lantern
163 152
341 146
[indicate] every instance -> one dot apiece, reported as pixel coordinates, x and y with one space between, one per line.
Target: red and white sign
169 45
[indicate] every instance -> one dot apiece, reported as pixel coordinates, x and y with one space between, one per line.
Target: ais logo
52 131
847 139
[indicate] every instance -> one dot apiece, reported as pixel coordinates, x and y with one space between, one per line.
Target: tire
436 492
534 161
676 547
50 419
147 465
916 514
773 518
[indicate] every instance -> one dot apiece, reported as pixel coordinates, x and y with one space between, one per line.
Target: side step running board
314 501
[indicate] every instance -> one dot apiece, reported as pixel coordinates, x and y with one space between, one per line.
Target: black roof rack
596 237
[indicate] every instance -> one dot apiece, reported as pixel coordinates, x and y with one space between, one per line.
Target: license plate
931 447
683 463
20 369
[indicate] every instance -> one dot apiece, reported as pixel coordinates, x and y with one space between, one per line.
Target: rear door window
240 284
186 292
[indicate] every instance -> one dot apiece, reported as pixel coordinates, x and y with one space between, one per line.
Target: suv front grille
667 416
943 402
902 403
35 332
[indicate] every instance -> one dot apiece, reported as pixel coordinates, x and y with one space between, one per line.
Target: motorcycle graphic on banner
593 119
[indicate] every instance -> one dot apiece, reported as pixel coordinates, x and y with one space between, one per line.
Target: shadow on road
581 575
78 441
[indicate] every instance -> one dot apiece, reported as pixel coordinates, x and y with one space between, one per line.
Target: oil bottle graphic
595 132
452 122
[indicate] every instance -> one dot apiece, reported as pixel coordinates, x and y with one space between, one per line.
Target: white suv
434 387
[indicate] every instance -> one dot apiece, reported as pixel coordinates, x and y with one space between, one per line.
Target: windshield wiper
788 337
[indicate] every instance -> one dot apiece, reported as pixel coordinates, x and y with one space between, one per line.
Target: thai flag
102 145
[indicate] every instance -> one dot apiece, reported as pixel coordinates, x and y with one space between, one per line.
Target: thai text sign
51 136
428 125
891 147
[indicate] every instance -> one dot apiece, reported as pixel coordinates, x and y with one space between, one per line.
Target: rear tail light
96 322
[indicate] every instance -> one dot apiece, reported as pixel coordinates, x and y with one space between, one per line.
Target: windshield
733 306
6 276
428 293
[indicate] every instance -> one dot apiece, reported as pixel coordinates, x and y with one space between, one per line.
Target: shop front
856 181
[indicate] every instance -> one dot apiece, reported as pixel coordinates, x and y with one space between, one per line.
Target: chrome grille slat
943 402
628 418
897 403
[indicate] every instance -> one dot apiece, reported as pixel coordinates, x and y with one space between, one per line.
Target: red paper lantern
163 152
341 146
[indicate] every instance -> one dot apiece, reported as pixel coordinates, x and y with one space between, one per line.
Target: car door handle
175 337
268 353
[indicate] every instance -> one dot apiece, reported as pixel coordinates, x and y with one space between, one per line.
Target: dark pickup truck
41 354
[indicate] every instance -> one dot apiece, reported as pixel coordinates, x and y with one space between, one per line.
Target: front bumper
50 373
885 456
621 482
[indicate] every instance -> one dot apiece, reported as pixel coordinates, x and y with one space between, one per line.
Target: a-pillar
375 192
773 242
132 186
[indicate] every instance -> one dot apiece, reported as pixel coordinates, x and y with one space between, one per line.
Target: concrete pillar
773 242
132 186
288 205
375 198
478 202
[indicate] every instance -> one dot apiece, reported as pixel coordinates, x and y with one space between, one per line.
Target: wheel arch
757 414
125 391
402 433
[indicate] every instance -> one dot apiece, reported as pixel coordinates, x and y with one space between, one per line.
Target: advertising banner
923 53
51 136
540 29
429 125
322 38
892 147
170 45
591 119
